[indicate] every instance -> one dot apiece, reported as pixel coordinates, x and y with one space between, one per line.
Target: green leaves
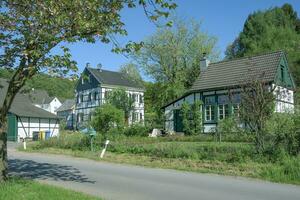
106 117
121 100
270 30
171 58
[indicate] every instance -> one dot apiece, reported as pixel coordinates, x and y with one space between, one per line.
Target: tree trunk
3 151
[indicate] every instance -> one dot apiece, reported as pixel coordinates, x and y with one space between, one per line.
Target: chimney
204 62
88 64
99 67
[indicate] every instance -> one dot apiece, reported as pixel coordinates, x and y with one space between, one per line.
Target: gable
283 75
90 81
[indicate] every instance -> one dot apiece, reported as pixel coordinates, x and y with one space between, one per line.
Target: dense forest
62 88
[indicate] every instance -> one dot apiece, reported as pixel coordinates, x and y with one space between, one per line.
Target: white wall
88 107
26 126
54 104
169 115
284 99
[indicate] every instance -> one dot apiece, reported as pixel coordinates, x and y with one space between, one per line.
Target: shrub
136 130
66 140
287 170
282 134
229 125
191 118
106 117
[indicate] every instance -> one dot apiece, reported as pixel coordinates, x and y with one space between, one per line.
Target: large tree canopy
171 57
270 30
30 29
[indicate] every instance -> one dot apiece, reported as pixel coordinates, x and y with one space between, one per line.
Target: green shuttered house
218 87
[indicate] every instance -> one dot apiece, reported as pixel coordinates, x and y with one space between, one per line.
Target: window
282 73
81 98
141 116
90 97
209 108
209 113
90 116
106 94
223 111
135 98
141 98
95 96
236 110
236 98
79 117
209 100
135 116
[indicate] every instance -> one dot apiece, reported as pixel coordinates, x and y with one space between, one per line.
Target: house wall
90 95
27 125
69 117
284 99
284 103
86 103
54 105
50 107
208 126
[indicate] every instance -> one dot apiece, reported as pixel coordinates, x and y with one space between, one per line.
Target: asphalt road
124 182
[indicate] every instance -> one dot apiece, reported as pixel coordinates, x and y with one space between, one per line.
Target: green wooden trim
12 134
287 80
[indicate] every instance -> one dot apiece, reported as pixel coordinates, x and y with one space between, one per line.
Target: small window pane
223 99
209 100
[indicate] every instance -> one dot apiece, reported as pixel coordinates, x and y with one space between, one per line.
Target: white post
24 144
103 151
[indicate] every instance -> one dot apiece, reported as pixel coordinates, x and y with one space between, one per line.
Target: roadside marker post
24 144
103 151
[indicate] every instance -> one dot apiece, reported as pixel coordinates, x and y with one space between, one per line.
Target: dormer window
282 73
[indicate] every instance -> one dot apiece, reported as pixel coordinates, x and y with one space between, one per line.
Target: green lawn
20 189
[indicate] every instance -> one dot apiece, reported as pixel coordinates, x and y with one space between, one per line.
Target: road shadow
44 171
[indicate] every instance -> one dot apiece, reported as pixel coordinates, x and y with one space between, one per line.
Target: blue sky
221 18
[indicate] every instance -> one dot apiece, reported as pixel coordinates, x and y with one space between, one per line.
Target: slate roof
22 105
234 72
37 96
67 105
113 78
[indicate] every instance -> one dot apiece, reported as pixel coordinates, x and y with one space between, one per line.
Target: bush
106 117
136 130
66 140
229 125
227 152
287 170
282 134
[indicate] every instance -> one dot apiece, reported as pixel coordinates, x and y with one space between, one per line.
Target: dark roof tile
114 78
234 72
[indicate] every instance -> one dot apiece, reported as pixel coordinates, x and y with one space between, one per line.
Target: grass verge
21 189
276 172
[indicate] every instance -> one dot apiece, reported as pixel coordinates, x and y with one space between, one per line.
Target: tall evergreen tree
270 30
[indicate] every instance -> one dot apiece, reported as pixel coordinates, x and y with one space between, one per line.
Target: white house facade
95 85
26 120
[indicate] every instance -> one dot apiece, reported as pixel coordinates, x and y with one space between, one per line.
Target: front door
178 127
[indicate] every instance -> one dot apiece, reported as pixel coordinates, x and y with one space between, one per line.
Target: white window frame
222 111
236 112
209 108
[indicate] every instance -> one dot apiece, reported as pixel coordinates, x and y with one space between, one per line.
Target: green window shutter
12 134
